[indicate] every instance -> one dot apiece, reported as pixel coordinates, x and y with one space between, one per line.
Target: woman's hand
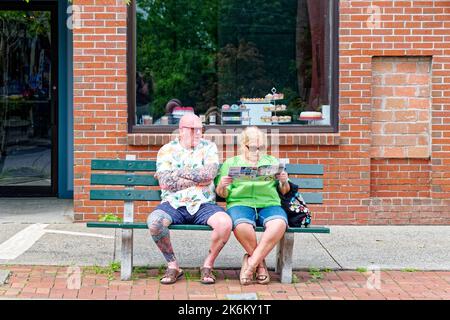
283 177
283 180
225 181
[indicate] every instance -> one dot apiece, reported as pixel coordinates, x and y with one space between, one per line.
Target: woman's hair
252 134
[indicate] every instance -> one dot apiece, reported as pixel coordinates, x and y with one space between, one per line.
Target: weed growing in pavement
191 276
315 273
139 270
161 271
361 269
108 271
409 270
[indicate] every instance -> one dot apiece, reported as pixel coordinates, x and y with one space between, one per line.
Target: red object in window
310 115
183 109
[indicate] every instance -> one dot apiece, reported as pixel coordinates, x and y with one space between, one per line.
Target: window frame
157 129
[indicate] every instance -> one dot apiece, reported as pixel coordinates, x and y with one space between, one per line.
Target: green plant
115 266
140 269
315 273
295 278
109 217
191 276
327 270
409 270
108 271
161 269
361 269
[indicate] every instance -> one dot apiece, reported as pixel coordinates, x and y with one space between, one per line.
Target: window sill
316 139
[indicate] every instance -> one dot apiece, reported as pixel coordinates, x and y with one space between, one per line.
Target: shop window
233 63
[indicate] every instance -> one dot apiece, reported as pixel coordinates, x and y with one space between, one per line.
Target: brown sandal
262 277
243 277
172 275
206 272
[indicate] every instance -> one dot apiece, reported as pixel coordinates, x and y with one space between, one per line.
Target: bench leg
284 257
126 266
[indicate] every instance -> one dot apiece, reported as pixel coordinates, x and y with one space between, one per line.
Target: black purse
295 207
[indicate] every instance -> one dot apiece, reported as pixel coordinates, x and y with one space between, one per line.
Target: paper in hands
261 173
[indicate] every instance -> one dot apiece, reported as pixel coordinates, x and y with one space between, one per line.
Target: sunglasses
195 130
254 149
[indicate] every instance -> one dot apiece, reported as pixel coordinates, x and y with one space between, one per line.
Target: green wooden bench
129 179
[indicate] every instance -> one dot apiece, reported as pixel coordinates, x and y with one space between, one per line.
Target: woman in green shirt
254 203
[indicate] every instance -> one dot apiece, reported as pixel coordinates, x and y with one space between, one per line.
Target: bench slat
306 183
142 225
149 165
138 195
124 165
150 180
304 169
124 179
312 197
155 195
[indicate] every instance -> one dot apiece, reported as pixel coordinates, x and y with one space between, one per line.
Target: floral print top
173 156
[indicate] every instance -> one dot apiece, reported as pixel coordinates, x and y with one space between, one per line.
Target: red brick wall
365 183
400 178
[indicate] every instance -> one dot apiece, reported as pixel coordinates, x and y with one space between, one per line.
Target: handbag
295 207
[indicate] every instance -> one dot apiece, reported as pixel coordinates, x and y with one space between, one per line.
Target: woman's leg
272 235
246 235
244 222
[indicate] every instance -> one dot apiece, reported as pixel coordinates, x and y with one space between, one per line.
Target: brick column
100 108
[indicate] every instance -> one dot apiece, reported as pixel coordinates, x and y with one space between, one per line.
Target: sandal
206 272
172 275
262 277
245 276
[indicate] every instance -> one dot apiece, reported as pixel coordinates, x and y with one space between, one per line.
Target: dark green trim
304 169
306 183
136 195
123 179
312 198
123 165
142 225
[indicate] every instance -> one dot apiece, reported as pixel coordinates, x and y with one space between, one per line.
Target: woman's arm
222 191
284 183
221 188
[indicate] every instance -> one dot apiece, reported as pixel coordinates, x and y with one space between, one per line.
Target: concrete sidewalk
422 248
41 249
40 232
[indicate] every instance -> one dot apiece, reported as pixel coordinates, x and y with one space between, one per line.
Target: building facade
385 149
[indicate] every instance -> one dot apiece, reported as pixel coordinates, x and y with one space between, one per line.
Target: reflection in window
234 62
25 98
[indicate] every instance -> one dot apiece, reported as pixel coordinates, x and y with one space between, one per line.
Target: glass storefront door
28 99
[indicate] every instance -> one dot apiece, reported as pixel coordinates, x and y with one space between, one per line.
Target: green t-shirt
255 194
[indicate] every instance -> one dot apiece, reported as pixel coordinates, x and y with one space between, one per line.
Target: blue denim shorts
182 216
256 217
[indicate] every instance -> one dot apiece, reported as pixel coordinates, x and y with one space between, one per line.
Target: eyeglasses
194 130
254 148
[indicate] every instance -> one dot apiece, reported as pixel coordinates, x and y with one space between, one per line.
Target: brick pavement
57 282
